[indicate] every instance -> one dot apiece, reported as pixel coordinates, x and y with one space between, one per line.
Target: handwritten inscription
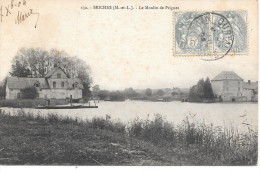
17 7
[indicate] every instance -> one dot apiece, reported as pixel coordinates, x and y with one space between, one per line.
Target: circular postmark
218 41
209 35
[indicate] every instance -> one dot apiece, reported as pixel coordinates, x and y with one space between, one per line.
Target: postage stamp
210 34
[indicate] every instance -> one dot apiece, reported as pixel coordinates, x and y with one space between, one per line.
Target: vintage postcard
129 83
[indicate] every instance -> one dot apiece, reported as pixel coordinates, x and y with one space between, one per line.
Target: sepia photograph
129 83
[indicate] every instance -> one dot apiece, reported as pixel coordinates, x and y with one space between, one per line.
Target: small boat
65 107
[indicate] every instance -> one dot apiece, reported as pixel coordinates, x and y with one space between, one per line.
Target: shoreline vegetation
32 139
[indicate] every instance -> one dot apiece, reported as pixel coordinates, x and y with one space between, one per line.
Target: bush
107 124
158 131
224 145
29 93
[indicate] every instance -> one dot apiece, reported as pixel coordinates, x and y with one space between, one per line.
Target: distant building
228 86
56 84
174 94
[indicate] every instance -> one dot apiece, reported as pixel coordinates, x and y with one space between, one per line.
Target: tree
3 88
208 90
116 96
86 93
193 94
200 89
148 92
130 93
95 90
20 70
201 92
29 93
160 92
103 94
29 63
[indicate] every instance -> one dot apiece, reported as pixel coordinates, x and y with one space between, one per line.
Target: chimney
249 82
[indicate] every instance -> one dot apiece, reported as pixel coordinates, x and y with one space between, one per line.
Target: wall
61 93
217 87
248 94
57 93
233 86
7 96
11 94
59 71
58 83
230 89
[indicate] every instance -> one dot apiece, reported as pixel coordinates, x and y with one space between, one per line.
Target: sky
123 48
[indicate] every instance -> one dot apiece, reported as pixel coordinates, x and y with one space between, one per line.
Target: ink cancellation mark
210 35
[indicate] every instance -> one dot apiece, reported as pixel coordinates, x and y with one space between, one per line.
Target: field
27 138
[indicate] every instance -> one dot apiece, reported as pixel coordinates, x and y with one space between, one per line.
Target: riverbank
21 103
28 138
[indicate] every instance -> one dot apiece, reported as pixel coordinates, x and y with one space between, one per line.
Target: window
18 95
37 85
75 85
54 84
238 88
62 84
59 75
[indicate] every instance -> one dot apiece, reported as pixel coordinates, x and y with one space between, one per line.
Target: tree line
128 93
201 92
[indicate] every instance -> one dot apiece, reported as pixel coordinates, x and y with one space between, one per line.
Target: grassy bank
21 103
32 139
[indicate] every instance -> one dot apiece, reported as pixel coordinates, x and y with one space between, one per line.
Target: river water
222 114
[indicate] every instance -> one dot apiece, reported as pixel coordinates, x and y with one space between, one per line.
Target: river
222 114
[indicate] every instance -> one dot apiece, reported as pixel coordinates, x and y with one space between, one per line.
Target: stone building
55 85
228 86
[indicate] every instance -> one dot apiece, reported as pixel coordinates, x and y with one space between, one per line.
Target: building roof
20 83
250 85
227 75
50 73
75 80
